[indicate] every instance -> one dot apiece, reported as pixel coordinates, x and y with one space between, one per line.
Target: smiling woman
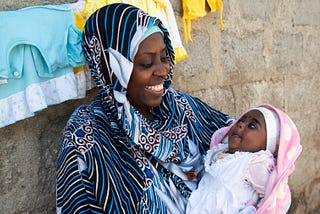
130 150
150 69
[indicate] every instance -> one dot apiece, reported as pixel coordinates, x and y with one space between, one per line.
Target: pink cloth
277 196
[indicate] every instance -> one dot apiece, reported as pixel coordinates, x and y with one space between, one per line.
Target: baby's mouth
233 135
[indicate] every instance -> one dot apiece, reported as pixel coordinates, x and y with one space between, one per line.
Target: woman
130 150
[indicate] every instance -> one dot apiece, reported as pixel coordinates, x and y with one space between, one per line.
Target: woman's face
150 68
248 134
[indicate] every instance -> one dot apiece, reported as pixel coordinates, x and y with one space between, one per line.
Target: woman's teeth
155 87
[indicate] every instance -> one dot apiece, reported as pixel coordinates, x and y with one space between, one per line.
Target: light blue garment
37 44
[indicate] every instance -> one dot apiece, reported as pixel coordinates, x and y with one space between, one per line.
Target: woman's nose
162 69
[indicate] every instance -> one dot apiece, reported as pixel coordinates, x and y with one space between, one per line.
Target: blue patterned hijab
111 40
115 160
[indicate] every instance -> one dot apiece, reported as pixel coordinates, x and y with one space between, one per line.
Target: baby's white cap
272 128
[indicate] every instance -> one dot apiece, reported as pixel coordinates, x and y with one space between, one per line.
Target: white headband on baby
272 128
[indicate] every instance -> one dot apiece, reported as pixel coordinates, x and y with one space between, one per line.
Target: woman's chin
155 102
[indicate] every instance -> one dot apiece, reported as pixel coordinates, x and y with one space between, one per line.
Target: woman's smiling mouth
156 88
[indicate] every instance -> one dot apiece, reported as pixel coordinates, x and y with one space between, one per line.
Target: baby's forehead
253 114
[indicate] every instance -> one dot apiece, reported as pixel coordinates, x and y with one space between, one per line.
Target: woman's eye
165 59
147 65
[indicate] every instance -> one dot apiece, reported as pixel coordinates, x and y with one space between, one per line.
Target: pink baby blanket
277 196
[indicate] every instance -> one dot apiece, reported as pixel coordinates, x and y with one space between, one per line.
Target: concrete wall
269 52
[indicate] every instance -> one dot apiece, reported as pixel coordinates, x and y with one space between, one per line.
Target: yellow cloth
143 5
92 5
161 5
180 53
193 9
113 1
79 21
158 8
152 7
214 5
163 10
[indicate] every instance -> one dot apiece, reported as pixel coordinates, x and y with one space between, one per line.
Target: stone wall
269 52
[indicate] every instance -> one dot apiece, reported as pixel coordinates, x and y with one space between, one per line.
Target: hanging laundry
82 73
164 11
194 9
169 20
158 8
91 6
39 48
217 5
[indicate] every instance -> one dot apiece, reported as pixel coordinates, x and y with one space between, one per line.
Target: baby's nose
240 124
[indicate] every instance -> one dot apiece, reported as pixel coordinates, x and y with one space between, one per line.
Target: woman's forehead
152 43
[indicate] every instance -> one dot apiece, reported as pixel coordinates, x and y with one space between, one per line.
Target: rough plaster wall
269 52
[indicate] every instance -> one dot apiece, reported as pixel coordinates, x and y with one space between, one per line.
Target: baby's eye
251 126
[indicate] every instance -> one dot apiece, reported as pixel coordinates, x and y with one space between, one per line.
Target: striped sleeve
72 196
205 122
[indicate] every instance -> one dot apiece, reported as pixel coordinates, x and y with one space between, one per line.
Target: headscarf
110 60
151 30
272 128
277 197
113 158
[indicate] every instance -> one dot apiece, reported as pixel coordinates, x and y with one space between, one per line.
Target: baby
238 166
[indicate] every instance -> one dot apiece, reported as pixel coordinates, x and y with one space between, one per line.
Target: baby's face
248 134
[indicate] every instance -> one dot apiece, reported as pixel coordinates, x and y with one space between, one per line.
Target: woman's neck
146 113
